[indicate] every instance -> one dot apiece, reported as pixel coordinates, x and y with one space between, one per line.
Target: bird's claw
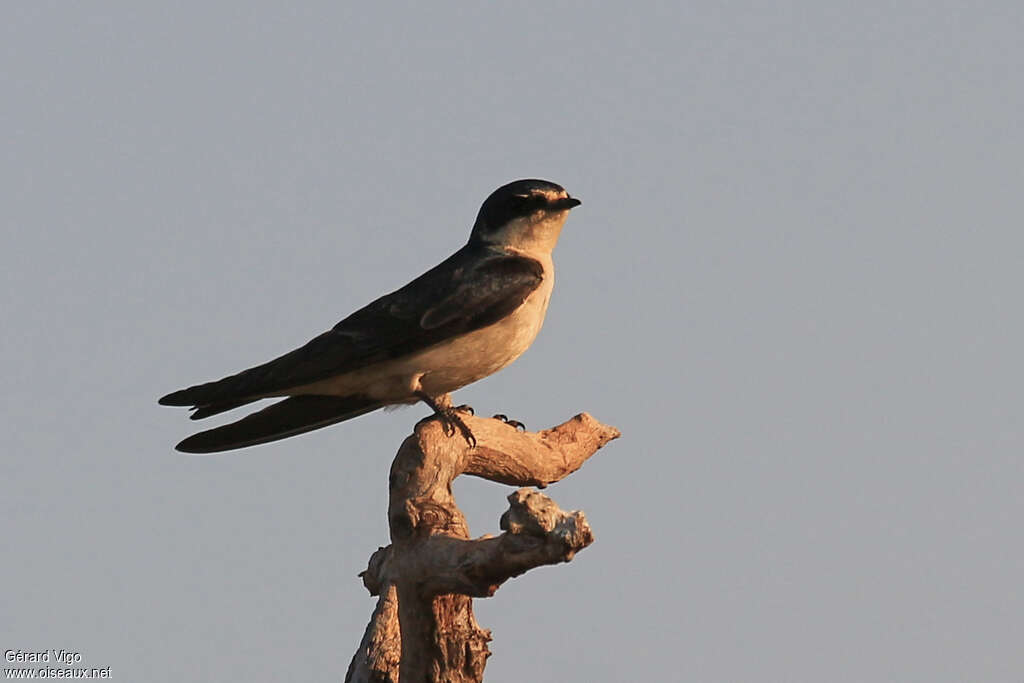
465 408
450 418
519 426
452 421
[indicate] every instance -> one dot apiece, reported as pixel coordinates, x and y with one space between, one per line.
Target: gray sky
795 285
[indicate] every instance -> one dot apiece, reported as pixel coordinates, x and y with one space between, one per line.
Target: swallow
464 319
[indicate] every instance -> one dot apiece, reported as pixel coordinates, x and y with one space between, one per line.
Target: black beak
565 203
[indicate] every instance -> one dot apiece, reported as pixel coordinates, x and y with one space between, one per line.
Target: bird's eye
521 201
523 204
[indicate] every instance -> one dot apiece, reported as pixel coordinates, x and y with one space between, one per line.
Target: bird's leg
449 415
511 423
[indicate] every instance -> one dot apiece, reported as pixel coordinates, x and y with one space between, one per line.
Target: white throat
531 235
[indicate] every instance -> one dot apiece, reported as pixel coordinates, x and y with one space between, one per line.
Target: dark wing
473 288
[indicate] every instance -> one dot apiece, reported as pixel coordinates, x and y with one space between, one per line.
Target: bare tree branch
423 628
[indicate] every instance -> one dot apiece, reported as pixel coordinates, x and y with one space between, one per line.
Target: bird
462 320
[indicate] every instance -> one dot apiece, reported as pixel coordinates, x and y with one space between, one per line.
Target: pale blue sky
795 285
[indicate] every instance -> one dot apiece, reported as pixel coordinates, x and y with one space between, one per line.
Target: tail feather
208 409
226 389
285 418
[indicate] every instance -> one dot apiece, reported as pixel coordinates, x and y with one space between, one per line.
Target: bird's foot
450 418
511 423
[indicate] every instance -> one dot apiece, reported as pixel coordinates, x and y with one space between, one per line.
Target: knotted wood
423 628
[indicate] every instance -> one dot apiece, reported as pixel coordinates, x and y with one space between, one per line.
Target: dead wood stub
423 628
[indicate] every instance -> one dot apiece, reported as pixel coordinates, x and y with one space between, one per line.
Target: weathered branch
423 628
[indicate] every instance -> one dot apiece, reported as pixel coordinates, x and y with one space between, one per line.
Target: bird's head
526 215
